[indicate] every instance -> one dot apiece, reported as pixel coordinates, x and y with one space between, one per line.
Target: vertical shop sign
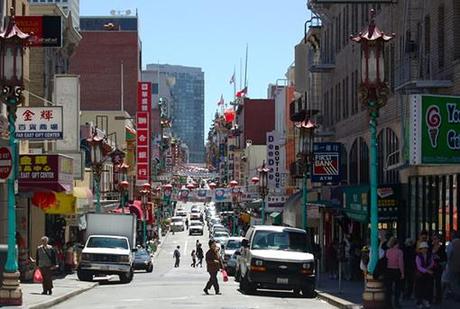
144 108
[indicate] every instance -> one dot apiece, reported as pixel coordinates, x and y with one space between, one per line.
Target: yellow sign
65 205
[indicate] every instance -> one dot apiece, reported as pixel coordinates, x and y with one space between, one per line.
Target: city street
169 287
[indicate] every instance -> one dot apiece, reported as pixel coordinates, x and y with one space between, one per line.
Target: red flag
242 93
221 101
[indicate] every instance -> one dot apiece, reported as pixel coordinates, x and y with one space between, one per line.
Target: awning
84 199
277 218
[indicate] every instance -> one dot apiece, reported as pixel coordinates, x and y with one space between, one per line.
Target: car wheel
149 268
84 275
297 291
246 286
308 291
128 277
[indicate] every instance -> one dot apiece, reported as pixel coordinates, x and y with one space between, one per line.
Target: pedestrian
453 264
422 237
394 272
214 264
409 267
199 255
424 276
193 258
347 269
364 262
332 259
176 255
186 223
438 252
47 262
197 244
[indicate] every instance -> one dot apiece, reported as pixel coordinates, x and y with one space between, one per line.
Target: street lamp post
373 93
306 144
123 183
263 187
145 192
97 165
235 194
12 44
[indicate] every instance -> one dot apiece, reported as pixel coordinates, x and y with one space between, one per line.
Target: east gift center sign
434 136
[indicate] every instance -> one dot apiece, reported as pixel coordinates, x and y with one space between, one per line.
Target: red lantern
229 115
233 183
255 180
212 185
44 200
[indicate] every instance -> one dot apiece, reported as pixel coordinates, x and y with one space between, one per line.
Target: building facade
71 7
182 89
108 61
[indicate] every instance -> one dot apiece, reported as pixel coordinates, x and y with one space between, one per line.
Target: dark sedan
143 260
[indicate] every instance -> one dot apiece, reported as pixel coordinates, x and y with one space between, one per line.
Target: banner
39 123
434 130
144 109
46 30
276 163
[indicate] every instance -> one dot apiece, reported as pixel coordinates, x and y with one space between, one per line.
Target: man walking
214 264
176 255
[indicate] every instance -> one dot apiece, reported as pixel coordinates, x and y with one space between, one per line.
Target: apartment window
441 36
23 9
347 97
332 108
355 18
344 101
338 103
392 66
346 25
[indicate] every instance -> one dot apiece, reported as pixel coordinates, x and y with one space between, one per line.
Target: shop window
388 156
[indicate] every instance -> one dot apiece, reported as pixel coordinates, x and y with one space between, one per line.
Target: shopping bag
38 278
224 276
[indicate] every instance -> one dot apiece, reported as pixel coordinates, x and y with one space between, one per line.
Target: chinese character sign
144 108
39 123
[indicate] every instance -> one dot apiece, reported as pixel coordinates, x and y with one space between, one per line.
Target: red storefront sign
144 109
6 162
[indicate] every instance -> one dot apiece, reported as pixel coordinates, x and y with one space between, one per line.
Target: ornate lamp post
167 192
97 165
235 202
373 93
12 44
263 187
123 184
145 192
307 129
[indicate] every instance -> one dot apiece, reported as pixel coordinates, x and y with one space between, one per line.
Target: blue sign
326 163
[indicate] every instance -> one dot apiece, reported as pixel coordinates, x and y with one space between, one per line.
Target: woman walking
394 272
46 262
199 255
424 276
214 264
193 259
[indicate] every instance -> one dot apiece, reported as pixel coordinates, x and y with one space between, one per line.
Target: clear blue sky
212 34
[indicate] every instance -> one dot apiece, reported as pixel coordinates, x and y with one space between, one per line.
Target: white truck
109 247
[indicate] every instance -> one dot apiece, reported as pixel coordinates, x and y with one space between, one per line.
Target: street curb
62 298
157 252
337 301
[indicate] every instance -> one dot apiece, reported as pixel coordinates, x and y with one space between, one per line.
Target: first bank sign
434 129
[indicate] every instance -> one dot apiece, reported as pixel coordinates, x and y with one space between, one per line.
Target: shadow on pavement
278 294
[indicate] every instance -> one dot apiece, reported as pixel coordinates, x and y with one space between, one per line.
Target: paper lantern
229 115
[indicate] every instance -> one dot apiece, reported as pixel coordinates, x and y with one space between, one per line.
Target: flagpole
246 69
241 73
234 84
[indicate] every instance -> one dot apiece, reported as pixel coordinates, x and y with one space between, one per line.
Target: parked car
220 236
143 260
276 257
215 228
230 246
177 224
196 227
195 216
181 213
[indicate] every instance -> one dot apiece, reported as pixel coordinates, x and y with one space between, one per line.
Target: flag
242 92
232 79
221 101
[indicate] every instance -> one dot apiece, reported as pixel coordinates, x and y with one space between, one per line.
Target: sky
212 34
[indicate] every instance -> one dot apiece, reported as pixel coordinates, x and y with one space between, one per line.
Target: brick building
110 48
255 118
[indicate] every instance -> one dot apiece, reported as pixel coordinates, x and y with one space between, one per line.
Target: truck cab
109 247
276 257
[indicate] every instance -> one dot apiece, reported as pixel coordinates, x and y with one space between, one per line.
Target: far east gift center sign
434 129
39 123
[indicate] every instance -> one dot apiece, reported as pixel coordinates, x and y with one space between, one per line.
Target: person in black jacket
214 264
176 255
409 267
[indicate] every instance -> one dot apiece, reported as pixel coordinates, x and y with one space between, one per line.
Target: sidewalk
350 294
64 289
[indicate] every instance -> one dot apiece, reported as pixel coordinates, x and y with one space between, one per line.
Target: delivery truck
110 243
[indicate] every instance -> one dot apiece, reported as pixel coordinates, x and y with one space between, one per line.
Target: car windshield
285 240
233 244
107 242
141 253
220 234
176 219
195 223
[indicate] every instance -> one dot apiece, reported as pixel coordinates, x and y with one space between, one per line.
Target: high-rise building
183 90
72 6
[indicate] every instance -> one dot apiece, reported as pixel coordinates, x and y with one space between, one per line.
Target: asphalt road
168 287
